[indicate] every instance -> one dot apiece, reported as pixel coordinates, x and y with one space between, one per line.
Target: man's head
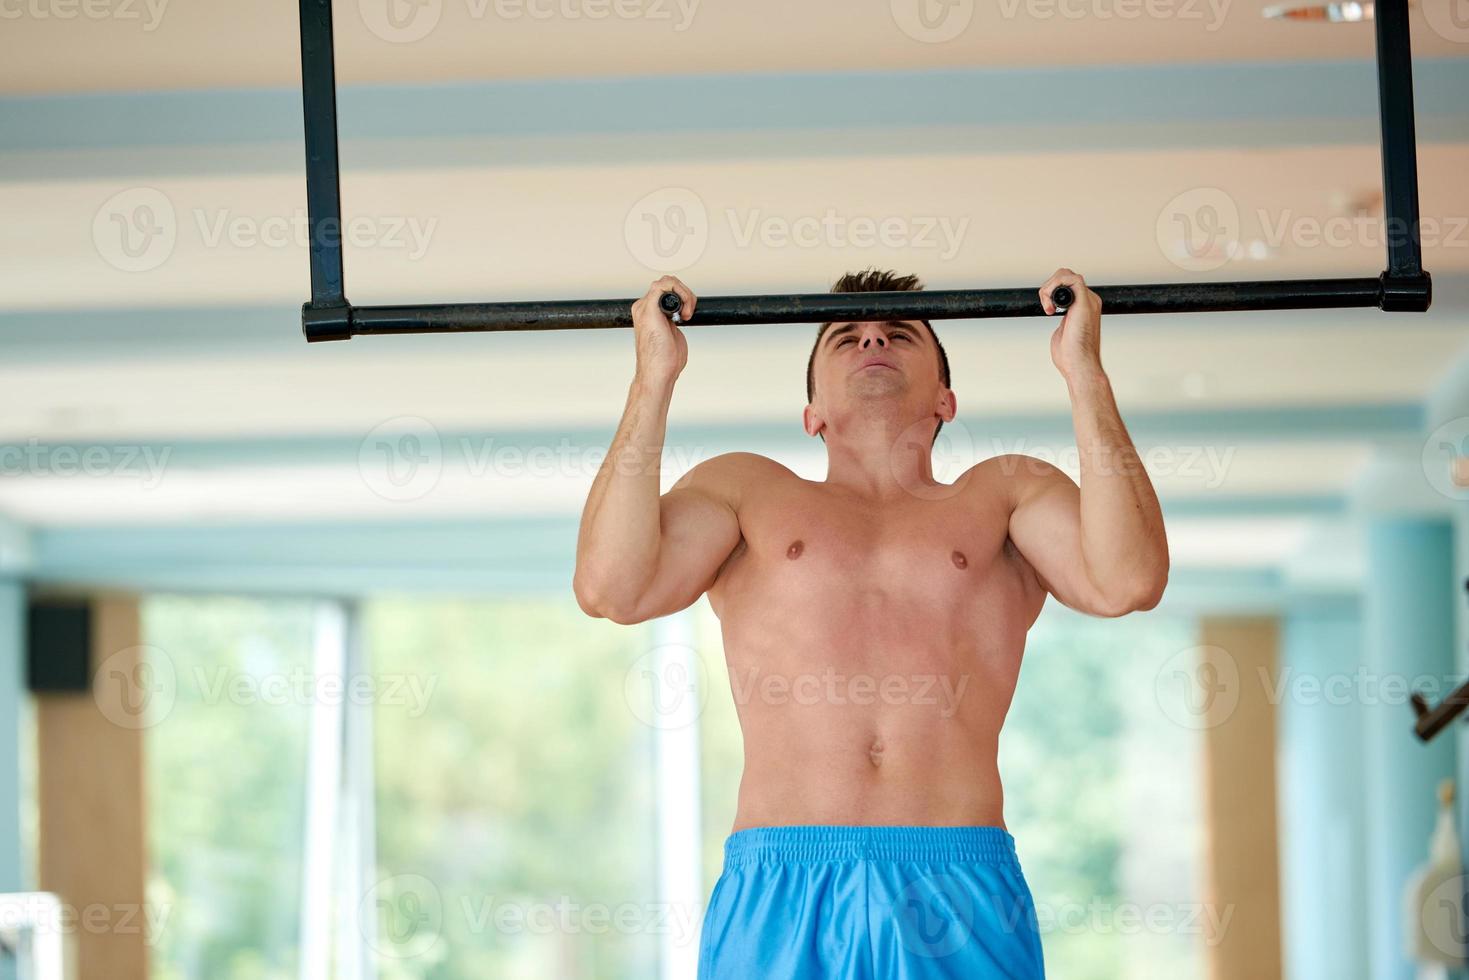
912 365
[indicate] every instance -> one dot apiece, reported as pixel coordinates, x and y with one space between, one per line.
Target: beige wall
90 789
1241 869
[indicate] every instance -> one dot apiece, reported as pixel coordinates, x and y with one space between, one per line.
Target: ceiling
755 225
163 44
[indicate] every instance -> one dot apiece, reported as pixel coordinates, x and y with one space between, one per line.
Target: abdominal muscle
867 769
853 717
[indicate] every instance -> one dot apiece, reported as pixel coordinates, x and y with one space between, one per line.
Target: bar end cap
1405 294
326 322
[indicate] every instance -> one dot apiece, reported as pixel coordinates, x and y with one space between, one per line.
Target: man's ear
947 407
811 421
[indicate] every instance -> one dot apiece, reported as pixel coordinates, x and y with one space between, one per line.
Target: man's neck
880 456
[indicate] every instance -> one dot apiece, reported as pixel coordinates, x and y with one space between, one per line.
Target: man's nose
872 335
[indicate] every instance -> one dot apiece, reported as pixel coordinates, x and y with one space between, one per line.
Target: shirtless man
873 627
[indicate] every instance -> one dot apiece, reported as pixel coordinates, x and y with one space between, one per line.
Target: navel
874 754
959 560
794 551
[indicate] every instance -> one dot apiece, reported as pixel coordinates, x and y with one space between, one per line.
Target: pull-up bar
1403 287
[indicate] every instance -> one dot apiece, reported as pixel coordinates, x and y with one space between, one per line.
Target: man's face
871 360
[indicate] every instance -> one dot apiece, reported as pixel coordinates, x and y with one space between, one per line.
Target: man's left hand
1076 346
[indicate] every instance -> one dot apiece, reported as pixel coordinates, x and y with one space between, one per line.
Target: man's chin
877 384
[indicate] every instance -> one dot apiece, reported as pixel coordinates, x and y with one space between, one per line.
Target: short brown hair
876 281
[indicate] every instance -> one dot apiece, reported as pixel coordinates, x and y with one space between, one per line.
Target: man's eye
901 336
844 341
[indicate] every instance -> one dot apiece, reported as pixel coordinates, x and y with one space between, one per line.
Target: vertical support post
13 877
1399 157
93 841
358 871
1408 628
15 717
1322 797
328 313
676 776
1243 870
323 795
323 183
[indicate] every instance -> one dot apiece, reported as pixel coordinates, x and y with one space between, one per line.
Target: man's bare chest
815 548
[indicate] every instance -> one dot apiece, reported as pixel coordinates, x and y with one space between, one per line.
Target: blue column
12 645
1409 627
1461 646
1322 800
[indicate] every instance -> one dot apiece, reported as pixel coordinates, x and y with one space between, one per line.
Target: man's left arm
1099 548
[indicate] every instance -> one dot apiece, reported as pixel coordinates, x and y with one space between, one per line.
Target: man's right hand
661 347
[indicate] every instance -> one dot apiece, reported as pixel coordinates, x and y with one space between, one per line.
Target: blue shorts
863 903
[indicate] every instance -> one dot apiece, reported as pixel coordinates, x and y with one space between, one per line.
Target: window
1102 795
226 777
514 795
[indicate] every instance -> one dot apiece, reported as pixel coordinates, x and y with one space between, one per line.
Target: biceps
698 532
1047 531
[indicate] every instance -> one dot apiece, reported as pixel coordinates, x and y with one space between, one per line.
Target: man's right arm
639 555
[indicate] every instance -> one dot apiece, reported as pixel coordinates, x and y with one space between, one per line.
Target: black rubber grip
1063 297
669 303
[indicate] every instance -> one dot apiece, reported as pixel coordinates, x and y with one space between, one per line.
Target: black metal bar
1289 294
323 174
1399 139
1431 721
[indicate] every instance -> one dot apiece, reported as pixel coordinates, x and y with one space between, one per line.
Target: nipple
959 560
794 551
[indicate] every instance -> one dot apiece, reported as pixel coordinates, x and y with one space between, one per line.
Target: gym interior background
293 683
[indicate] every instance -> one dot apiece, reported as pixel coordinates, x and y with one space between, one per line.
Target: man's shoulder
1014 474
1015 466
731 474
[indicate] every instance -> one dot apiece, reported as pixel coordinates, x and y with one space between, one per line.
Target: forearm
1124 547
618 543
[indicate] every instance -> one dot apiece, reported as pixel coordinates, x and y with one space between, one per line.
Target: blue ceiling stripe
1184 94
